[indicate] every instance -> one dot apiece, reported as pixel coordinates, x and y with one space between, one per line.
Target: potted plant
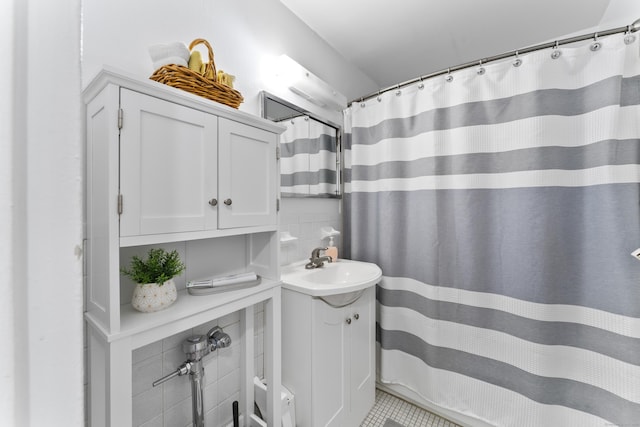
155 289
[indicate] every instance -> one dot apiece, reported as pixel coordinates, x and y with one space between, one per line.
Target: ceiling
392 42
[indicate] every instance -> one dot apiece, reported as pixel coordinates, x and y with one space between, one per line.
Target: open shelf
153 239
187 311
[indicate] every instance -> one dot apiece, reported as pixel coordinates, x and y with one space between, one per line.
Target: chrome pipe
197 393
184 369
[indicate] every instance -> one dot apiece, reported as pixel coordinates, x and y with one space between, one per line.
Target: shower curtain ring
379 98
398 91
481 69
596 44
518 61
362 103
449 77
556 52
421 85
629 38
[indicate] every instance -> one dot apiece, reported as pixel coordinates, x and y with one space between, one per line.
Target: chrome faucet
316 260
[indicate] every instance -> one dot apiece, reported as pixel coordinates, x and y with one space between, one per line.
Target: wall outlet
636 254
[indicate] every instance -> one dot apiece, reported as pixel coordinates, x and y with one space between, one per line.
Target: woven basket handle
211 64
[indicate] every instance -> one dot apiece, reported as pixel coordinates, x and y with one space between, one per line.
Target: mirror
309 150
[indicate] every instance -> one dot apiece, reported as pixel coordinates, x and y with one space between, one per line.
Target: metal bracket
120 204
120 117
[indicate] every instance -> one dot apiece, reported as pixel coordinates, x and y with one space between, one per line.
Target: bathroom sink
338 283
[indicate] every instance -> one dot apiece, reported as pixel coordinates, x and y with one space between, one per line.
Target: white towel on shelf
169 53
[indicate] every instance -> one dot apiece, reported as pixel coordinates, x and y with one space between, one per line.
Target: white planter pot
150 297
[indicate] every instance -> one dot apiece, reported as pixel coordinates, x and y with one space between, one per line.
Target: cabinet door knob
227 202
356 316
348 320
213 202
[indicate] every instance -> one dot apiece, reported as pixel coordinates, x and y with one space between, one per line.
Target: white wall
243 34
620 13
8 411
41 215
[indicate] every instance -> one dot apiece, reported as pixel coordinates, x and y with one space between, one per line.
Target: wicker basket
186 79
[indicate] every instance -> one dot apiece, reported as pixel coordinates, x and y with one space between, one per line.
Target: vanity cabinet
328 358
165 167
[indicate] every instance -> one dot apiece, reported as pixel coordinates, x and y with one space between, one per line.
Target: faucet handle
316 252
218 338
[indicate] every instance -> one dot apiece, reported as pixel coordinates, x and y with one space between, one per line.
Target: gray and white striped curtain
502 208
308 158
294 157
322 159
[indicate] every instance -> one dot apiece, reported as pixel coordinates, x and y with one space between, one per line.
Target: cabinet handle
227 202
356 316
213 202
348 320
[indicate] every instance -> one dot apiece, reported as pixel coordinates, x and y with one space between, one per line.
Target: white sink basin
338 283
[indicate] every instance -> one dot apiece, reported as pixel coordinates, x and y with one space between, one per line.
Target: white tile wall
169 405
303 219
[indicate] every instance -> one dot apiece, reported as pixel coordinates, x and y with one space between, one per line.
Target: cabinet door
361 357
248 175
168 167
329 374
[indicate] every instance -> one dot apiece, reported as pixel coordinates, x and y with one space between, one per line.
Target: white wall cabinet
184 170
248 176
160 165
168 167
328 358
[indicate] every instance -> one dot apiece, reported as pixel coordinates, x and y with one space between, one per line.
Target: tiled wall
303 219
169 404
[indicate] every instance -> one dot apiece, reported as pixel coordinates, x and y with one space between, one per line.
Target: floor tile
388 406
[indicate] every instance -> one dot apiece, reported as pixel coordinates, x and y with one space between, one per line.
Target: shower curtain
294 157
307 158
322 159
502 205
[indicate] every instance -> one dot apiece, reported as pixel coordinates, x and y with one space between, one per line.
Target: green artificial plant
158 267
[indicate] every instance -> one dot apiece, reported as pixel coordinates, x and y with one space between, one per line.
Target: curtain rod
628 29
